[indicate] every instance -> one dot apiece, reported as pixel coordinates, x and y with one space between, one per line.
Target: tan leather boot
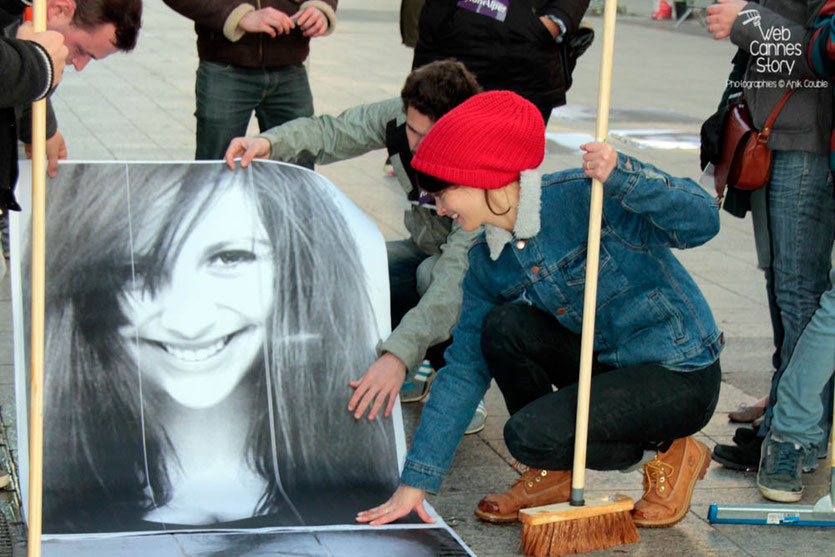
669 480
533 488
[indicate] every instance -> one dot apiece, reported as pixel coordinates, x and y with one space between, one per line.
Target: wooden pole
36 345
592 260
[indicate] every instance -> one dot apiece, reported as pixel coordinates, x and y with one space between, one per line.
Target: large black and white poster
201 328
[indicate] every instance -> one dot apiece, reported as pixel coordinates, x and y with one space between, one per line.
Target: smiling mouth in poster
201 328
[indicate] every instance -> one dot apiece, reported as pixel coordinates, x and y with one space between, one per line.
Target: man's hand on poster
53 43
56 150
721 16
312 22
383 379
405 500
599 160
247 148
268 20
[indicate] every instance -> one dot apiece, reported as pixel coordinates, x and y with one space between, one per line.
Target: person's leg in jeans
801 228
226 96
805 386
762 244
803 407
632 409
286 96
403 259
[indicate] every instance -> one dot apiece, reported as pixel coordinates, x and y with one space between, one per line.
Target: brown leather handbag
746 160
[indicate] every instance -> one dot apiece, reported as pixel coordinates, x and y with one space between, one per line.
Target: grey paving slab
7 376
732 397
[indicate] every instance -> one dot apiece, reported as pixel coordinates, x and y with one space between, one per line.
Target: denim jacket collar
527 215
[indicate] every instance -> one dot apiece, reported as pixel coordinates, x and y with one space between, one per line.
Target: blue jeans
801 229
759 216
227 95
804 394
410 272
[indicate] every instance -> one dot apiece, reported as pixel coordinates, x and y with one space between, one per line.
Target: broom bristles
580 535
562 529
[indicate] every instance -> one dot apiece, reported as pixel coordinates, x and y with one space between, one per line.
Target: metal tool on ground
581 526
820 514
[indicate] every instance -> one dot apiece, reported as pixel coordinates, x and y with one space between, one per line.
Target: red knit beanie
485 142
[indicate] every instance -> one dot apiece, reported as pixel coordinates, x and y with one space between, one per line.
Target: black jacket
518 53
26 75
251 50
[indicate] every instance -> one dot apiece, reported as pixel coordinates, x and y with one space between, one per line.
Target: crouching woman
656 346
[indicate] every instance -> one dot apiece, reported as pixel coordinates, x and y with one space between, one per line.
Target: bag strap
766 131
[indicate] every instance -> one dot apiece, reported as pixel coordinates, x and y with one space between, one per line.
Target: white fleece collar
527 215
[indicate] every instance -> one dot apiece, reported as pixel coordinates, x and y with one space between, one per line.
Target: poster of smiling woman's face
201 329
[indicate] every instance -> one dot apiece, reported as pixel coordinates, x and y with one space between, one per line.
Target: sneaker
745 458
810 458
779 478
417 383
746 436
479 419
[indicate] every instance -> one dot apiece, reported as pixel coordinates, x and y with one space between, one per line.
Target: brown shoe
533 488
669 480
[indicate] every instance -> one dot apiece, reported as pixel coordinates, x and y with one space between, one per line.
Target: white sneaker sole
780 496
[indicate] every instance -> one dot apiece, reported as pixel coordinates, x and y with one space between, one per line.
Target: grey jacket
357 131
777 63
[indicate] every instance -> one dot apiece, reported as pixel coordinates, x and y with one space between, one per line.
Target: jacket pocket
668 313
525 26
610 280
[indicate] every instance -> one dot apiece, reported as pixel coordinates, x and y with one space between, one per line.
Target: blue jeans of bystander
801 229
227 95
806 387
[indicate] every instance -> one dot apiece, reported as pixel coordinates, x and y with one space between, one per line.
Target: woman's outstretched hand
599 161
405 500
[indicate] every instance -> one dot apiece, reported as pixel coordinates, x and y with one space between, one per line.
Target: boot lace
528 474
656 473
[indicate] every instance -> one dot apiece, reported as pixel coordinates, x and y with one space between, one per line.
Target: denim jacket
649 309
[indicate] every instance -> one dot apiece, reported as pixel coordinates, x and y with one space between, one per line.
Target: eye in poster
201 328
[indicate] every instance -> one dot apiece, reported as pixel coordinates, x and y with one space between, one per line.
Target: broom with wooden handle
578 526
36 344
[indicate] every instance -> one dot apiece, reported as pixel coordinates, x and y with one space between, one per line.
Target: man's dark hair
125 15
438 87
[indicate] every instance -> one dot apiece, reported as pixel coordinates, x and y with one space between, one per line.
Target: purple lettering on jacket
497 9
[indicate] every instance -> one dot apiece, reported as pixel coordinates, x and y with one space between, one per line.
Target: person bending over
656 366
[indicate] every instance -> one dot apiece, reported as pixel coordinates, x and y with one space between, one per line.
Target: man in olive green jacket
426 270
